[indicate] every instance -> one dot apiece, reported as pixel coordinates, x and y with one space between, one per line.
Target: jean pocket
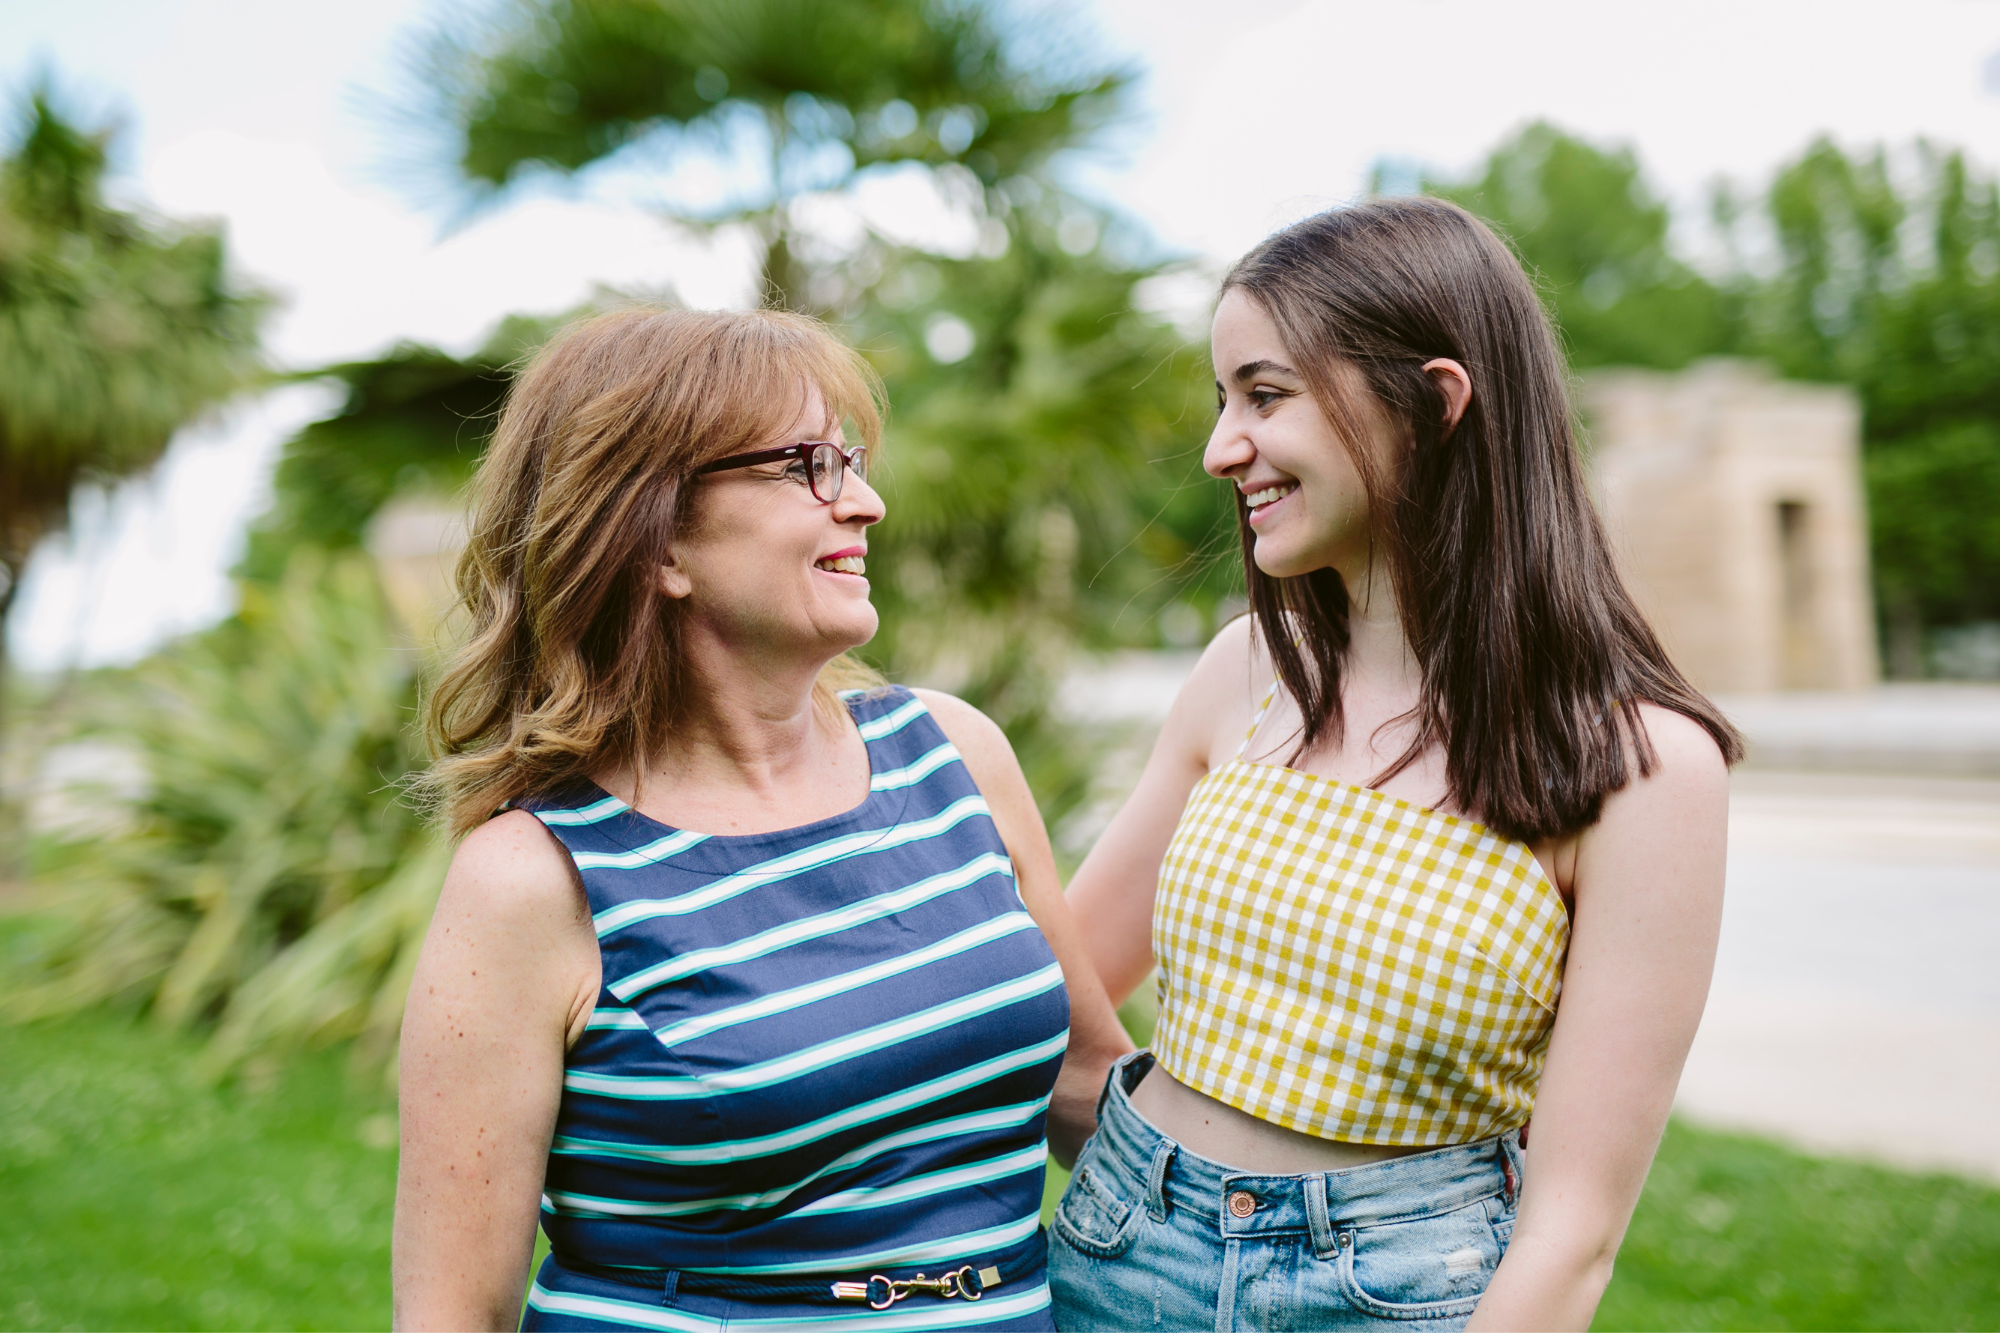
1432 1267
1092 1219
1501 1216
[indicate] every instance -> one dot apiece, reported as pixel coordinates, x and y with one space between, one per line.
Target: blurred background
265 271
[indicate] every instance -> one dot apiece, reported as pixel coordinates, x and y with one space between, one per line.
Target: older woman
758 990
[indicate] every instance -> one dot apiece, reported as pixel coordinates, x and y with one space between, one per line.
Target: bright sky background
271 116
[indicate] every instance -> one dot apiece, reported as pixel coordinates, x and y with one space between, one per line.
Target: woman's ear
1456 386
672 577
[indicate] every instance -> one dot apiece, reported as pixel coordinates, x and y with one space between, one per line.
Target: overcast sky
274 117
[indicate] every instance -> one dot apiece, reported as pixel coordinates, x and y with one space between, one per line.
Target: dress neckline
830 822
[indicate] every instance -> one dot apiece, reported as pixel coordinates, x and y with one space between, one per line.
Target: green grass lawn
137 1198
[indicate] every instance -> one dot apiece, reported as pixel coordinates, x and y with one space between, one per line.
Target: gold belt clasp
882 1292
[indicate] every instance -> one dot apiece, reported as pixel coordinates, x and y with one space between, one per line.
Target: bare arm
1095 1036
1642 946
506 980
1112 891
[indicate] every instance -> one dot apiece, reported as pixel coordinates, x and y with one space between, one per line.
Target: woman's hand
1095 1036
507 978
1648 909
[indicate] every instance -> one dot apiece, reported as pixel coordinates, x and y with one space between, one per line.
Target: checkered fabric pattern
1352 966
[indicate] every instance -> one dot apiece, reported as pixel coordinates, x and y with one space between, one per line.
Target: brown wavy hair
1532 652
572 662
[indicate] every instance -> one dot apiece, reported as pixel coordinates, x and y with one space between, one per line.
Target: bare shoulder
1680 806
1687 761
1216 702
989 757
981 743
510 871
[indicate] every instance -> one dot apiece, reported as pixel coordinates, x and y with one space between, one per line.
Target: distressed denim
1146 1235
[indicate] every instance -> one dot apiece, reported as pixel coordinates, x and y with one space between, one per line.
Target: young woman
1430 843
745 993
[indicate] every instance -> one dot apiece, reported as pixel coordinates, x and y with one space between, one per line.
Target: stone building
1734 502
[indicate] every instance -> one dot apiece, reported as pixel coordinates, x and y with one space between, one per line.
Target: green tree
1594 234
415 419
1888 278
116 329
805 92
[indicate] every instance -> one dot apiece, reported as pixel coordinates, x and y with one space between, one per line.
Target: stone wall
1734 503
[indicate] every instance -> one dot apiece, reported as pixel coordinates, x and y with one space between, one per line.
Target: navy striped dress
824 1050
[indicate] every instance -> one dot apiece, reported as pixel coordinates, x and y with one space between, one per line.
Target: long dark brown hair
1533 655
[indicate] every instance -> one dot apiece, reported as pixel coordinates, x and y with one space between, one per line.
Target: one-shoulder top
827 1049
1350 965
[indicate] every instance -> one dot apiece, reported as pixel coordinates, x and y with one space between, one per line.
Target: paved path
1856 1002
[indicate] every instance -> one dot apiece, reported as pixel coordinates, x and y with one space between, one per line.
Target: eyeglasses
827 464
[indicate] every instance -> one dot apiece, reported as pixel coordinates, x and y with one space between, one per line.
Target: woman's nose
1229 449
858 503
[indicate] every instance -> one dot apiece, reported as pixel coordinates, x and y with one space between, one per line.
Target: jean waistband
1150 1164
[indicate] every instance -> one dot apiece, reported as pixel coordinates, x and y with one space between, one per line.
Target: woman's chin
856 628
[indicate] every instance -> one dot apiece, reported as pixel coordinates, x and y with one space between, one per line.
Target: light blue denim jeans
1149 1235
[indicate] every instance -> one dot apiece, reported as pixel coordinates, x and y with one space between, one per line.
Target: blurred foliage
415 420
1593 234
1875 269
1889 280
115 329
810 91
269 882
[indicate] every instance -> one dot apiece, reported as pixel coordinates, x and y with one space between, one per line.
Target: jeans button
1242 1203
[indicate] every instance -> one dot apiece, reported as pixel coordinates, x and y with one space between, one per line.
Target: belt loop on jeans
1512 1185
1326 1243
1156 1181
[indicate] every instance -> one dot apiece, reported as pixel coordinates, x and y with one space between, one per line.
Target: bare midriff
1238 1140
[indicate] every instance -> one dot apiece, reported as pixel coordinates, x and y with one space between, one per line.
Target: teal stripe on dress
594 813
816 857
923 1252
881 1108
890 723
999 1118
907 1317
745 1078
910 775
611 1016
1033 1158
651 854
813 927
779 1002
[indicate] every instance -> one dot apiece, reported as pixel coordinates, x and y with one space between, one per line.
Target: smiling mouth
846 564
1270 495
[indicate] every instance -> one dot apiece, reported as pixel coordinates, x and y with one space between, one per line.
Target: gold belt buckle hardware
882 1292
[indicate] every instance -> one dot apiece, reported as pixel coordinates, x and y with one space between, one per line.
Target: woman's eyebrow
1250 370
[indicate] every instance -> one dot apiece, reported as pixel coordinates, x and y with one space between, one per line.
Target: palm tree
813 90
115 331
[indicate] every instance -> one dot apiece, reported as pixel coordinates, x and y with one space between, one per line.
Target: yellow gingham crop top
1349 965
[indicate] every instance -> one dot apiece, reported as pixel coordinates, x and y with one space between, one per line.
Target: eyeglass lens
828 470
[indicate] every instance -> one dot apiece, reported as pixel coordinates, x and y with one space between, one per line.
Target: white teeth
847 564
1269 495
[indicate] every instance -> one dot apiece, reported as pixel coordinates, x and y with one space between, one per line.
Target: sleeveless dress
820 1052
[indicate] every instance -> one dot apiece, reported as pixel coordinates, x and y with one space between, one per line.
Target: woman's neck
750 751
1378 650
